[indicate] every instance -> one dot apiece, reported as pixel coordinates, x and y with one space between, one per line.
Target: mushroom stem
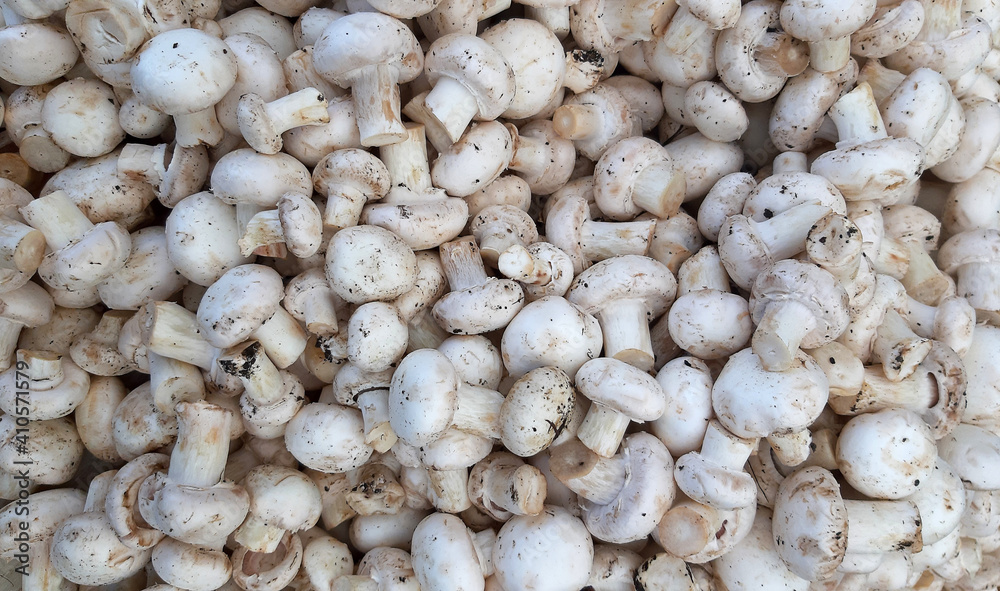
897 347
626 332
683 30
478 411
659 188
282 337
882 80
463 265
10 331
595 478
780 332
780 54
248 362
602 429
785 234
452 105
174 332
791 449
703 270
148 163
303 107
577 122
603 240
918 393
376 101
923 280
199 457
941 18
406 161
830 55
344 202
21 246
425 333
449 490
724 448
374 405
198 128
882 526
172 381
519 264
43 368
263 229
689 526
857 118
531 154
42 575
320 313
790 162
57 218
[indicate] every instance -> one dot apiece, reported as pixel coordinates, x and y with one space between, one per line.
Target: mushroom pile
468 295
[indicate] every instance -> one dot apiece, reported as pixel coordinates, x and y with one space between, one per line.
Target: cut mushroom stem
173 381
626 331
780 331
478 411
452 105
506 483
882 526
21 246
174 332
603 428
780 54
898 348
140 161
918 393
374 405
463 265
578 122
792 448
857 117
248 362
376 99
406 161
519 264
58 219
603 240
202 449
594 478
923 280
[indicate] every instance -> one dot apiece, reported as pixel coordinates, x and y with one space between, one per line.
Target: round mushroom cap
819 21
301 223
246 176
87 551
81 115
886 454
625 277
806 284
423 396
238 303
549 551
809 523
647 495
366 39
46 510
354 167
328 437
859 176
480 308
536 410
537 59
183 71
34 53
974 246
444 555
475 64
550 332
368 263
618 169
622 387
283 497
974 453
564 226
475 160
753 402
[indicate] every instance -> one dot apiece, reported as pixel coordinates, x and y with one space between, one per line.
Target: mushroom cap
517 224
860 175
475 160
753 402
365 39
886 454
622 387
148 275
359 169
421 224
202 236
46 510
705 480
537 408
444 555
301 223
238 303
974 246
564 226
941 501
328 437
819 21
480 308
549 551
183 71
304 286
192 514
617 170
710 324
550 332
423 396
647 495
81 115
537 59
625 277
34 53
86 551
475 64
368 263
810 523
246 176
283 497
806 284
784 190
974 453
